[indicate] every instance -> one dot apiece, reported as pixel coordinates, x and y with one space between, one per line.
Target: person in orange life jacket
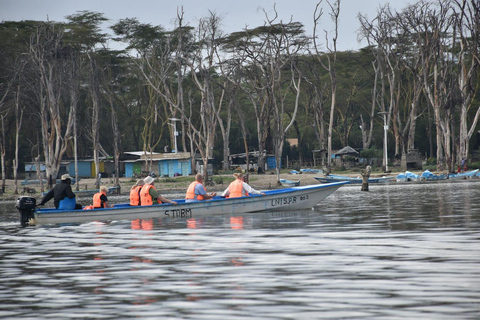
135 193
196 190
62 194
100 199
149 195
239 188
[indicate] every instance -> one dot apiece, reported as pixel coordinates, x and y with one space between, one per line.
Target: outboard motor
26 208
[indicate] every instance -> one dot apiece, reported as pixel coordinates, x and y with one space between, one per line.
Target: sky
236 15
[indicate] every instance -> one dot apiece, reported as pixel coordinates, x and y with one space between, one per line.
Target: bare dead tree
3 114
330 64
2 151
94 87
202 66
383 35
19 110
367 129
467 27
46 52
437 71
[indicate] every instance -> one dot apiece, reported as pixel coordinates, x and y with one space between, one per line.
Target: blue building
163 164
84 168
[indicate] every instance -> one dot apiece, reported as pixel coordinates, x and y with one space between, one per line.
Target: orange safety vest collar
191 191
145 197
235 188
135 196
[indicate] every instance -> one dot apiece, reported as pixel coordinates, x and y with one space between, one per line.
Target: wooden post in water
366 175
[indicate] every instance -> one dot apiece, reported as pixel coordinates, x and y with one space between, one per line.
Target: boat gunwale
215 202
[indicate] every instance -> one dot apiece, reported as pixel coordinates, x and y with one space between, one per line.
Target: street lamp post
175 132
385 130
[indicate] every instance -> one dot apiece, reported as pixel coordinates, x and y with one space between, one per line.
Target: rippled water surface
395 252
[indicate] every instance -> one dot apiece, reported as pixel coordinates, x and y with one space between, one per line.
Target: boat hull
464 175
295 198
289 183
351 180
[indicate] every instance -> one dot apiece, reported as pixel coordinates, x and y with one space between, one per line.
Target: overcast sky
236 14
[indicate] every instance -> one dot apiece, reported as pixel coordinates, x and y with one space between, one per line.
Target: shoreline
267 181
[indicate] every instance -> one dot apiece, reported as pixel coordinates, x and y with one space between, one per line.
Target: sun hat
148 180
66 176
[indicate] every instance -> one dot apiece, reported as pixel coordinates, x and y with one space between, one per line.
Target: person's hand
262 193
174 202
213 194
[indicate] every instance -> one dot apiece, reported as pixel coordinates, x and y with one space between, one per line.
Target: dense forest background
65 93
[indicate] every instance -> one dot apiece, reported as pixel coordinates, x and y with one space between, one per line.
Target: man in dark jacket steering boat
62 194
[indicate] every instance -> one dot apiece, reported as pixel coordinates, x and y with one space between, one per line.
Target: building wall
84 169
131 168
171 167
165 168
101 169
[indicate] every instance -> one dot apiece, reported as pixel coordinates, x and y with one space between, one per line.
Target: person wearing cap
149 195
196 190
239 188
62 194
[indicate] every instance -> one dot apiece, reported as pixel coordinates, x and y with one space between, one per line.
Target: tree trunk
18 126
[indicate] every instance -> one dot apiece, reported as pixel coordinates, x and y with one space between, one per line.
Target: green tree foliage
164 74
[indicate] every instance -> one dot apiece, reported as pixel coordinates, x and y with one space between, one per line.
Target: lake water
395 252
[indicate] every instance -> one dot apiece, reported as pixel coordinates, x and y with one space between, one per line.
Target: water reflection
393 252
236 222
144 224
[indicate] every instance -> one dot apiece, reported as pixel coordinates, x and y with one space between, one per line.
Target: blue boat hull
351 180
295 198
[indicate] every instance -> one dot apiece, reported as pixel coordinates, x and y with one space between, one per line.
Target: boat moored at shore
352 180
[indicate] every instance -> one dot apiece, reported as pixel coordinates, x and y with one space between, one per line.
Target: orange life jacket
97 202
235 189
145 197
191 191
135 196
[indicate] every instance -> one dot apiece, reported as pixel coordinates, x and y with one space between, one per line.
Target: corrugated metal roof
139 153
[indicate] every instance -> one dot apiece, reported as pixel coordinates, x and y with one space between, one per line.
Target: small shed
173 164
342 153
411 160
31 171
239 160
346 151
